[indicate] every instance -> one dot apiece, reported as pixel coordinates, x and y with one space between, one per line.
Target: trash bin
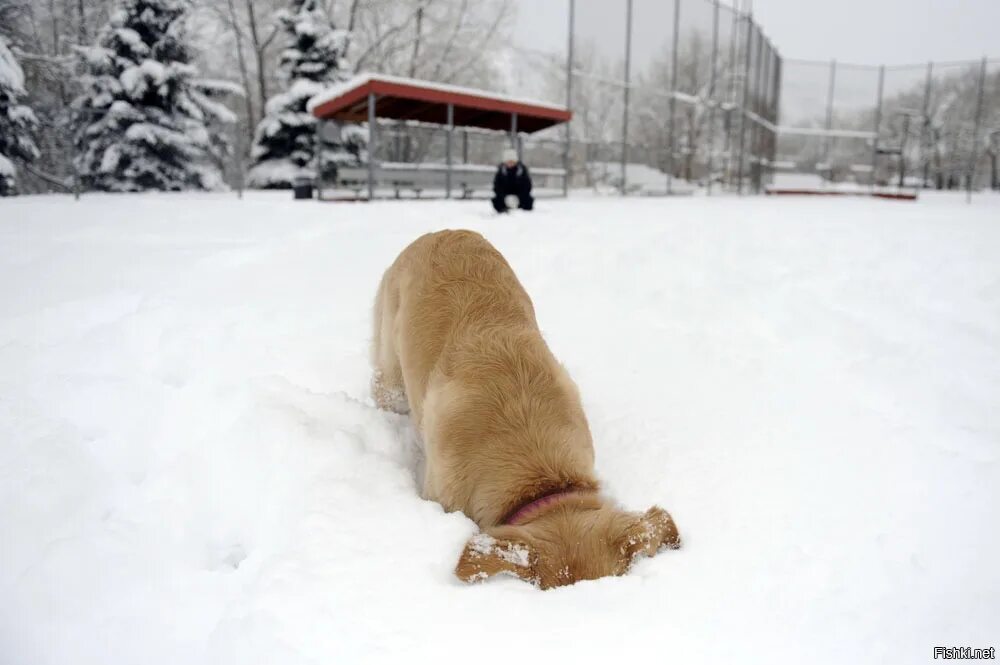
303 186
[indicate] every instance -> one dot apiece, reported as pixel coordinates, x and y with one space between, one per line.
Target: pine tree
17 121
284 142
146 122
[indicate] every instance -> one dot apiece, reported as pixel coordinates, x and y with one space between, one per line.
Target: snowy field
191 470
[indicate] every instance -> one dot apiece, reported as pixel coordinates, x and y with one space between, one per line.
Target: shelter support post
513 131
451 131
372 138
628 86
317 158
567 148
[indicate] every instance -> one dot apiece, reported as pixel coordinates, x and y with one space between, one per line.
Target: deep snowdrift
191 469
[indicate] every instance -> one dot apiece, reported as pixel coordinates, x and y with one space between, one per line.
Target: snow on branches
312 60
146 120
17 121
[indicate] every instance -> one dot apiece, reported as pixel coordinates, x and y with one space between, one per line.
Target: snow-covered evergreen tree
146 121
284 145
17 121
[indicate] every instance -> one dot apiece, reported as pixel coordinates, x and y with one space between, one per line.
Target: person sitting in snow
512 184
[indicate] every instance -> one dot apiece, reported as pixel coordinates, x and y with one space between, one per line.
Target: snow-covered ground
191 470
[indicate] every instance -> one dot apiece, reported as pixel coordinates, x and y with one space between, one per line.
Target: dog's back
501 419
505 437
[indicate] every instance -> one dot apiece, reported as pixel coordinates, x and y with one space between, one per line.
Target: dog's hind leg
388 389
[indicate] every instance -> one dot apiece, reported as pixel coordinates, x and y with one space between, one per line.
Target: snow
509 552
333 92
811 182
11 74
639 178
159 107
191 470
276 172
133 40
135 80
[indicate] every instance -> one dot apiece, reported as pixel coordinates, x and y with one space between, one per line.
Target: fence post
827 141
925 130
776 109
754 104
711 93
975 133
567 160
671 121
758 129
878 122
628 85
448 137
731 98
743 104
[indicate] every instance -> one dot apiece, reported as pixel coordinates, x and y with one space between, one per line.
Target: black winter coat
516 181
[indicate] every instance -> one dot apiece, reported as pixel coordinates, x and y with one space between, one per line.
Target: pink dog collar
543 501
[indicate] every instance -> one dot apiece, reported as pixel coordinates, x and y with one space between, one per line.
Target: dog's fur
456 342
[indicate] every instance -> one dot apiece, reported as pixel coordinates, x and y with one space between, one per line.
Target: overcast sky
862 31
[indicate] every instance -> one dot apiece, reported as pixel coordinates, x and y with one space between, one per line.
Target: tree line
130 95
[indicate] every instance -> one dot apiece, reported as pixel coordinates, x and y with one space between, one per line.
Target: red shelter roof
411 99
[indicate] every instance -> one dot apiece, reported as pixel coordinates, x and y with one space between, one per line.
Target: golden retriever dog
505 437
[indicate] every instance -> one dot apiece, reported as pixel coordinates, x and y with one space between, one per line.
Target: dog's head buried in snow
506 441
568 544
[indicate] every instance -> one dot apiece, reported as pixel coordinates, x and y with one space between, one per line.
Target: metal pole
765 98
448 138
755 128
975 133
371 146
628 84
567 162
743 105
465 146
902 150
829 113
671 121
762 87
878 122
924 131
731 98
711 93
513 131
775 108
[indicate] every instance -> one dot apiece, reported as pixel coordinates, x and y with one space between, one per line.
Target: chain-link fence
674 96
934 125
669 96
678 95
